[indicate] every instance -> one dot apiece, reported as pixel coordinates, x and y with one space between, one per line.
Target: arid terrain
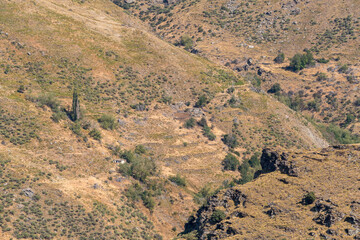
140 119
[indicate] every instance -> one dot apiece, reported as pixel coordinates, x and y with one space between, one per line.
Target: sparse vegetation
178 180
190 123
107 122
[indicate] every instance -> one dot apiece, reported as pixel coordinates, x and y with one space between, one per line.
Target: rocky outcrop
202 221
272 161
328 214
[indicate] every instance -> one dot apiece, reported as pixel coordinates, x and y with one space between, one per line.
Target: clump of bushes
230 162
230 140
206 129
301 61
140 149
107 122
178 180
249 167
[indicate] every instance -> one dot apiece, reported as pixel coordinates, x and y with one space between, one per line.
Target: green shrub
140 149
230 140
76 128
107 122
139 168
309 198
321 76
58 115
301 61
190 123
201 197
255 160
186 41
95 134
322 60
202 101
280 58
148 200
207 133
343 69
178 180
230 162
275 89
217 216
48 100
247 174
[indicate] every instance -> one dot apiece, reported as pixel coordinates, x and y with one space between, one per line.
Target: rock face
272 161
230 198
270 207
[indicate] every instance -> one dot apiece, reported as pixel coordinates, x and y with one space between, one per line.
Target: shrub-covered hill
156 124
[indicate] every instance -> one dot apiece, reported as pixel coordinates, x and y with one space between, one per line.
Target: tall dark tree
75 111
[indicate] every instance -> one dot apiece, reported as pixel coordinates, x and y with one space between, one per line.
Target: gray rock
28 192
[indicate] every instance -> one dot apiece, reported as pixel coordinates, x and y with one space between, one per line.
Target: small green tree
230 162
75 112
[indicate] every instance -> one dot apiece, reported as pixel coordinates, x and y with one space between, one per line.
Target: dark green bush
217 216
343 68
202 101
230 140
301 61
207 133
275 89
280 58
230 162
309 198
321 76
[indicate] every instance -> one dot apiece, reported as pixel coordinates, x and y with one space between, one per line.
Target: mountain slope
301 195
57 172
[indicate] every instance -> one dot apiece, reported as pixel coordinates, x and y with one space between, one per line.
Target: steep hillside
156 124
299 195
232 33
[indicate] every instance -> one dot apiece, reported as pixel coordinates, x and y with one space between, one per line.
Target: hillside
299 195
156 124
231 33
